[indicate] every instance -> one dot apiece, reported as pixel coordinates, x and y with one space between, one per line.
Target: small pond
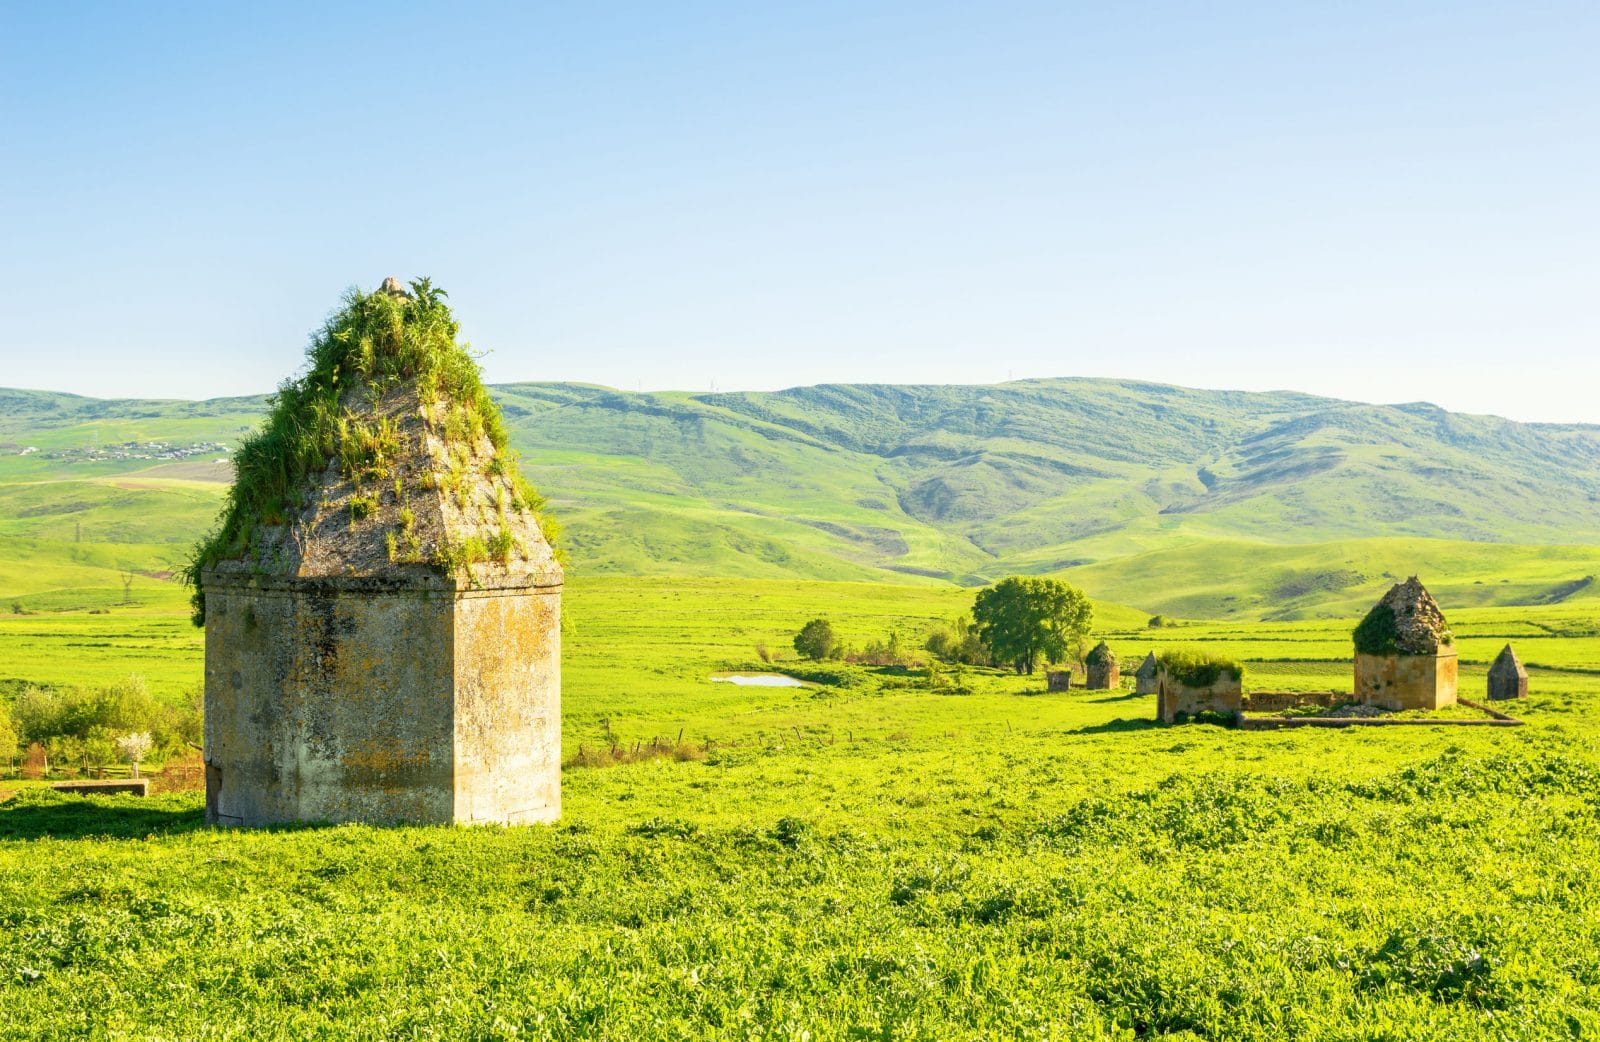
759 680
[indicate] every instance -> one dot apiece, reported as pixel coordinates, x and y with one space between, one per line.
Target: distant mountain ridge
968 483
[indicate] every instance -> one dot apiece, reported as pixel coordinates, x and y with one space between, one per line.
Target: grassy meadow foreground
860 859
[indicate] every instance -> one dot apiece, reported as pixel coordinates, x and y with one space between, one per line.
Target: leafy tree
816 640
958 643
1021 619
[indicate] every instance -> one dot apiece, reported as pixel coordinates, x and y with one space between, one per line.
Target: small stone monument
381 604
1405 654
1058 680
1146 679
1101 669
1507 677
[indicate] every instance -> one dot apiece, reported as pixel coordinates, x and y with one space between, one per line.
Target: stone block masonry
383 701
381 603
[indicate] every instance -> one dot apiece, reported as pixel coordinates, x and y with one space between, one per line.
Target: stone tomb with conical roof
388 649
1405 655
1507 677
1147 678
1101 669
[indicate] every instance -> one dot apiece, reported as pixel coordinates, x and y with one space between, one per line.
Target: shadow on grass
40 815
1123 697
1118 726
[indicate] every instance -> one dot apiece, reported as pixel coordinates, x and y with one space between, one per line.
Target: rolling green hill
1188 502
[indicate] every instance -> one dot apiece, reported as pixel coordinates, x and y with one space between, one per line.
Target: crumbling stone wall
1278 701
1058 680
1174 697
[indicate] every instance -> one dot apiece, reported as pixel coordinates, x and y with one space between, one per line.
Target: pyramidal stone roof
1099 656
1507 666
1407 621
1148 668
387 461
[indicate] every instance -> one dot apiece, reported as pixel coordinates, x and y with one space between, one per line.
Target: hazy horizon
860 383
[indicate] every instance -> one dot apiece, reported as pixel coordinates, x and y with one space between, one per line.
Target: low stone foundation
1278 701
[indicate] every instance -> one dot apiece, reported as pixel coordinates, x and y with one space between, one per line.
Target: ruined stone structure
389 650
1101 668
1507 677
1405 655
1225 694
1278 701
1058 680
1146 677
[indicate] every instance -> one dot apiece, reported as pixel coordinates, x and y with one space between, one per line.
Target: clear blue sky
1386 201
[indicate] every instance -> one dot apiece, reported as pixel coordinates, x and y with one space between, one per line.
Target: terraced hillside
1199 503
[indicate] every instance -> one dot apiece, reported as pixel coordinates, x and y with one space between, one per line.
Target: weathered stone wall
1102 676
1507 687
380 701
1402 682
1058 680
1146 685
1173 697
508 708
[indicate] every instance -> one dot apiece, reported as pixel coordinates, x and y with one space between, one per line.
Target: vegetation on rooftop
373 343
1380 633
1194 667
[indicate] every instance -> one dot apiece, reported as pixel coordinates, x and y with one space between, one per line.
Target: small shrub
1437 962
500 546
363 506
790 831
816 640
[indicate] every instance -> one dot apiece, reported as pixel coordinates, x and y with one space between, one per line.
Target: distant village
133 450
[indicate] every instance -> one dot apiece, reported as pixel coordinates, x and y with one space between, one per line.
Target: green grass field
875 861
868 858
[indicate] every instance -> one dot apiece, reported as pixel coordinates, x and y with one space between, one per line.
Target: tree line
1019 622
93 727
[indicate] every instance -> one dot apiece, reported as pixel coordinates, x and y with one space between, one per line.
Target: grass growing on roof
373 342
1195 667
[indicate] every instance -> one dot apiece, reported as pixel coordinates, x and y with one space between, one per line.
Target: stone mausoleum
1405 652
382 628
1146 679
1101 669
1507 677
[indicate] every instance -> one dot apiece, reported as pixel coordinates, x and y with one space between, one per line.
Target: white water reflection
759 680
